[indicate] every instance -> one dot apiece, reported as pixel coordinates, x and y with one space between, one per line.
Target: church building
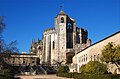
61 43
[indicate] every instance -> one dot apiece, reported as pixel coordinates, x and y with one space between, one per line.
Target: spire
61 7
61 11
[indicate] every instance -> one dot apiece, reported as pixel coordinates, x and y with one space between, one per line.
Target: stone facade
93 52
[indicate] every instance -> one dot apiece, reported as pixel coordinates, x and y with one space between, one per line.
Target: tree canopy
5 50
111 53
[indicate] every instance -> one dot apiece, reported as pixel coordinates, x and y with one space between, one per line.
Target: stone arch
69 57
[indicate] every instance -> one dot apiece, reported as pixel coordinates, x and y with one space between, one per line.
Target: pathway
42 77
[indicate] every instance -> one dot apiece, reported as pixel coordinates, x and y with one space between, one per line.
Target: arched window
62 20
69 26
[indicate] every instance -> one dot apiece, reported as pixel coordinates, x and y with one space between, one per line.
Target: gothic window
69 26
53 44
62 20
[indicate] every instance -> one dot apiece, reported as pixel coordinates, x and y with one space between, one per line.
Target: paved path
42 77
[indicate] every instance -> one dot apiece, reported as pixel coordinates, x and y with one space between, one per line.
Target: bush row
68 75
89 76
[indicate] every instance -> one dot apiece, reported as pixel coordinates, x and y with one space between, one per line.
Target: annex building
93 53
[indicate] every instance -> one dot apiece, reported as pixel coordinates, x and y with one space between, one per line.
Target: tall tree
6 48
111 53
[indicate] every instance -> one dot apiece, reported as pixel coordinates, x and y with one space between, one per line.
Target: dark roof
99 41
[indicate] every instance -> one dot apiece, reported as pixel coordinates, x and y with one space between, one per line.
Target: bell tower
60 29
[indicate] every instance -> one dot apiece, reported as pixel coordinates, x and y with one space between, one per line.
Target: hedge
68 75
88 76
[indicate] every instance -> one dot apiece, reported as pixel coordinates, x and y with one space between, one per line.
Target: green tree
94 67
111 53
5 51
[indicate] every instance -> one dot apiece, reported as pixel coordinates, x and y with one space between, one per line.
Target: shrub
94 67
63 69
8 74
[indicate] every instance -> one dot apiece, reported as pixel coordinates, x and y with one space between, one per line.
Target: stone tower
65 30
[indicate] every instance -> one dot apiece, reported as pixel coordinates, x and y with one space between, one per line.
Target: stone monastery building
60 43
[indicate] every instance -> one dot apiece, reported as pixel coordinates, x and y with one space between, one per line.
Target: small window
23 62
39 48
32 61
94 57
62 20
91 58
86 57
82 58
98 57
13 62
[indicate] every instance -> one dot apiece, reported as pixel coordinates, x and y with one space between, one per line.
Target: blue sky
27 19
